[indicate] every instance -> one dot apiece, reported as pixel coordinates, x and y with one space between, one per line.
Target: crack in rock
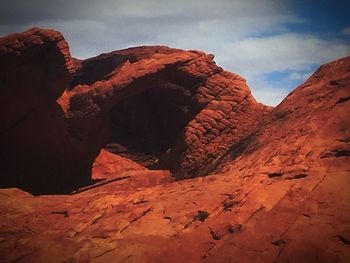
64 213
201 216
136 219
343 239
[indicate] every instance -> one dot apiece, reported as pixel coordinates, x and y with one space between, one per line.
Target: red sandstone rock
107 164
280 192
175 108
163 108
37 151
310 125
305 141
35 69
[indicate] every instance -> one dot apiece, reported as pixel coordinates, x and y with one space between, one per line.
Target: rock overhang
212 109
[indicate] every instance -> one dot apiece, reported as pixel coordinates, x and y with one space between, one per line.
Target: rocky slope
278 189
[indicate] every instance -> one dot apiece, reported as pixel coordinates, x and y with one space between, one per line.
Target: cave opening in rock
145 126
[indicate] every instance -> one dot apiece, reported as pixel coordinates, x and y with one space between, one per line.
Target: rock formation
163 108
166 108
37 152
277 189
311 125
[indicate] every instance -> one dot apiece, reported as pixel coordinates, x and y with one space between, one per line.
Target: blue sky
274 44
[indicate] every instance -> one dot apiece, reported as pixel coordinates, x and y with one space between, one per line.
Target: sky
274 44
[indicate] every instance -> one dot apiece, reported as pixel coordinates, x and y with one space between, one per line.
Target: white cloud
299 75
264 92
188 24
252 56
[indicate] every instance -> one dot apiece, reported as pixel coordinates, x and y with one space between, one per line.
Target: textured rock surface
164 108
168 108
35 69
107 164
37 152
303 141
310 125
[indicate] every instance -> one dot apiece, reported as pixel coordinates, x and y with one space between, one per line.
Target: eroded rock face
35 69
313 118
107 164
37 153
168 108
161 107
